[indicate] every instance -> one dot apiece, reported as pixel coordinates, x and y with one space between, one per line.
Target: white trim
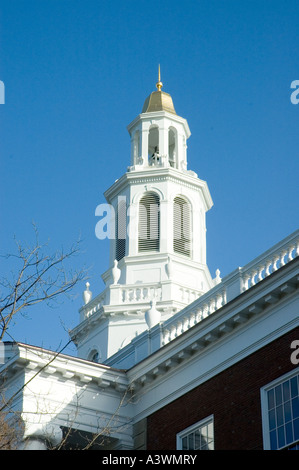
192 428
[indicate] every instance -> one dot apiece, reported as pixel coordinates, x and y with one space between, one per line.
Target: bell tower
158 134
158 251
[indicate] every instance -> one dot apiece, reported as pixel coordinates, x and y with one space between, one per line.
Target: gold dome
158 100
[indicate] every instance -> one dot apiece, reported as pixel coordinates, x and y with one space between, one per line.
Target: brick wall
233 397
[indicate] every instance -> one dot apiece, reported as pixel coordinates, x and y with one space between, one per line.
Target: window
280 407
149 223
199 436
181 226
121 229
94 355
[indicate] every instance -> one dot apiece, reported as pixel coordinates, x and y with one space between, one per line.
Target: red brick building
233 398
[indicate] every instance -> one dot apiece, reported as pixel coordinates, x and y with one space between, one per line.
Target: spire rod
159 84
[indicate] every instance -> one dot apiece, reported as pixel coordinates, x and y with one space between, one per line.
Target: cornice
42 362
157 115
229 320
153 175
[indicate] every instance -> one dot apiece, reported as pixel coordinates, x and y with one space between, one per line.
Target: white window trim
264 404
192 428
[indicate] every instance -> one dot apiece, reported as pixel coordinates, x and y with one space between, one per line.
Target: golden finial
159 84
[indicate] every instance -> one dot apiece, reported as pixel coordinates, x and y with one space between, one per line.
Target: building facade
169 357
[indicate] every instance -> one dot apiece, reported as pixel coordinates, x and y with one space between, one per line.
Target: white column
132 149
33 444
36 436
144 141
182 151
132 229
166 227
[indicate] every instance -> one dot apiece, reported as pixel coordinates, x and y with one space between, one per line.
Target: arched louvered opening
121 230
181 226
149 223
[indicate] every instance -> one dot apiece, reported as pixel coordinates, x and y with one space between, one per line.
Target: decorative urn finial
152 316
115 272
87 294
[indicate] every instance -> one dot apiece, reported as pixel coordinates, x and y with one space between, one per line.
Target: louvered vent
181 227
149 223
121 229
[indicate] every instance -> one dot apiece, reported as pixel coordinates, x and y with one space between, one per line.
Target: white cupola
158 254
158 134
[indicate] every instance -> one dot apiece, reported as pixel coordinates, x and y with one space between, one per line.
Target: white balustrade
93 306
194 313
200 308
251 274
270 262
140 293
188 295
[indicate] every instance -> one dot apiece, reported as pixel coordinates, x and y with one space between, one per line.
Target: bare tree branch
38 277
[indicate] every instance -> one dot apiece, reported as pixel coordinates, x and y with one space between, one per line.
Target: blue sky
77 73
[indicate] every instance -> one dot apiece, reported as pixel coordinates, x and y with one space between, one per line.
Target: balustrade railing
188 295
207 304
191 315
93 306
270 261
246 277
199 308
140 293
